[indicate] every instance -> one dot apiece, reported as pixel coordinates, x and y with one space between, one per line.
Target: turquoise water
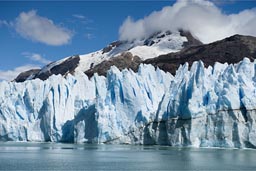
50 156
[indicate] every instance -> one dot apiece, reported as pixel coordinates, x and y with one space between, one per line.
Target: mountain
165 50
231 50
204 104
157 44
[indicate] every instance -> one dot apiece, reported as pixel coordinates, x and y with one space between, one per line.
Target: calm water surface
50 156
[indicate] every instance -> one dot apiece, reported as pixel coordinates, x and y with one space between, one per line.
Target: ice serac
208 107
78 109
201 107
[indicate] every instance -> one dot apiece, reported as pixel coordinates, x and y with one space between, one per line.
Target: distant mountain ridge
231 50
153 46
165 50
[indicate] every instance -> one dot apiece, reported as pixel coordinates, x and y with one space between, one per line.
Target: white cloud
36 57
81 19
79 16
89 36
202 18
41 29
4 23
10 75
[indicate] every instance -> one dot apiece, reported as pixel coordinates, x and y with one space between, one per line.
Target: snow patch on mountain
158 44
162 44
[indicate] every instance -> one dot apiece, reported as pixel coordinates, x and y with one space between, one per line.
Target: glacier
200 106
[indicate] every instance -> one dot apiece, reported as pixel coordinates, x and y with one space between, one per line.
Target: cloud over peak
202 18
41 29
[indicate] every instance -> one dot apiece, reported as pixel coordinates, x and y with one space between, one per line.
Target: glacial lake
52 156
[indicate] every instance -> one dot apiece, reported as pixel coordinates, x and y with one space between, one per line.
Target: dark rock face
106 49
150 41
68 66
111 46
192 41
230 50
25 75
125 60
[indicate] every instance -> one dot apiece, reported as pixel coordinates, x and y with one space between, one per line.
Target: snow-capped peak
158 44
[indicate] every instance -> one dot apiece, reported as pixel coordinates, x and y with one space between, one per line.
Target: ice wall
201 107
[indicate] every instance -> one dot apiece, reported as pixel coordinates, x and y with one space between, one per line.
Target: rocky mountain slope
231 50
120 54
203 103
153 46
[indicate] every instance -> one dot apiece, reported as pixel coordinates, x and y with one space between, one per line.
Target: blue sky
76 27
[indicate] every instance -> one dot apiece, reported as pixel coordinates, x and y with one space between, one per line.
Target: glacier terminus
199 106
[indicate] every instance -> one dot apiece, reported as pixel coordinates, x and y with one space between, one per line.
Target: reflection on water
52 156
